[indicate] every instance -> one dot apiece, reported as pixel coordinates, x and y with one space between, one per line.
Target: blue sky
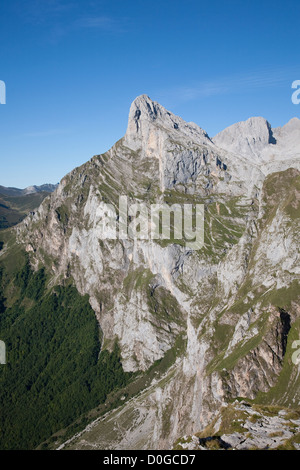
73 67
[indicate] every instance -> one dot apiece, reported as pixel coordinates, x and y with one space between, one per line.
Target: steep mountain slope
196 328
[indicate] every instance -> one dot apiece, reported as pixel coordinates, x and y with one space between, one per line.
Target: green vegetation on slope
13 209
55 371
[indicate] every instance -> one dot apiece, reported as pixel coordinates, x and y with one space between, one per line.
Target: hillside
13 209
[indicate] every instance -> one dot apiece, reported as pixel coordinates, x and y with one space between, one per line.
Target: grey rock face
144 113
246 138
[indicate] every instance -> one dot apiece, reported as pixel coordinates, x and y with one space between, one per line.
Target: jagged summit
149 124
145 113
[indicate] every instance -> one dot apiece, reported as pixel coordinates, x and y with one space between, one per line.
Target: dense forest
55 370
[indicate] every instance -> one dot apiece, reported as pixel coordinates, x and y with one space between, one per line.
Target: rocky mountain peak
291 127
145 114
247 138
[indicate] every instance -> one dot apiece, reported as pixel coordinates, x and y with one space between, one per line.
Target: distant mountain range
48 188
16 203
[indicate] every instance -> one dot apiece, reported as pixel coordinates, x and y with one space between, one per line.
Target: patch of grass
138 279
281 189
276 434
294 414
283 297
254 418
63 214
287 445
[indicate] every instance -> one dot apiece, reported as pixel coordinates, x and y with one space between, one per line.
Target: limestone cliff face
258 370
218 310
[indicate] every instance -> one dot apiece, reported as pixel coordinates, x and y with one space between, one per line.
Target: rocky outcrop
259 428
258 370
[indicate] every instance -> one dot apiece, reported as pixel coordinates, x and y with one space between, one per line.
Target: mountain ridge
12 191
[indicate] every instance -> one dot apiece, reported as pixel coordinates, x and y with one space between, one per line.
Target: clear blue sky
73 67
